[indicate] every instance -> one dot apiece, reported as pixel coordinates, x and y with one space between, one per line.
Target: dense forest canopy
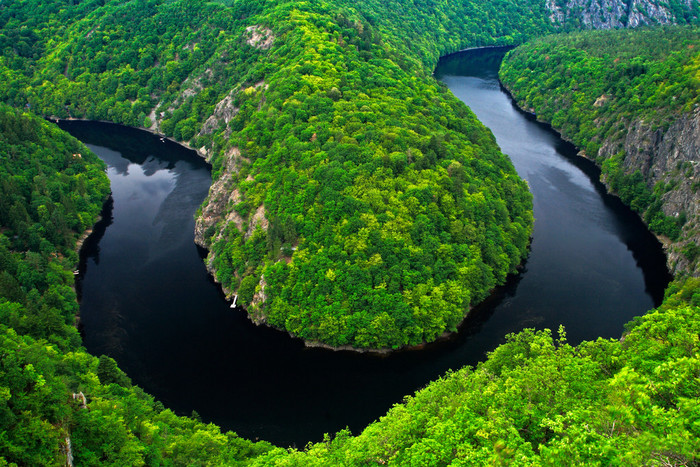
617 95
362 204
539 401
52 191
53 188
355 202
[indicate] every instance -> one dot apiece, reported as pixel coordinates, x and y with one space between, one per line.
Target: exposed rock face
223 113
255 310
669 158
222 196
219 211
672 158
190 87
608 14
259 37
257 220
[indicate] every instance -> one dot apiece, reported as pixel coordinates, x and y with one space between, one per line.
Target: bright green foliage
390 209
120 425
539 401
53 188
591 86
398 223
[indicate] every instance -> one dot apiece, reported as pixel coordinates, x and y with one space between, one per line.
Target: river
147 301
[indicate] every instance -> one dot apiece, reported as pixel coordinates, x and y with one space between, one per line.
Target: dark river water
147 301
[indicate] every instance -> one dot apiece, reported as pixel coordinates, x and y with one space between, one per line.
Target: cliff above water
166 66
669 159
354 202
615 14
629 100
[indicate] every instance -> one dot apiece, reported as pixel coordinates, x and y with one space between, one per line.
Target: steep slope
355 201
57 402
174 65
539 401
630 100
616 14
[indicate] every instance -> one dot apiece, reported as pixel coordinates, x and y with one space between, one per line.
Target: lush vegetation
536 400
539 401
596 85
365 206
53 189
389 210
398 207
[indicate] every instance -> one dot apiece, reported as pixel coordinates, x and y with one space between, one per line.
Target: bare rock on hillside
259 37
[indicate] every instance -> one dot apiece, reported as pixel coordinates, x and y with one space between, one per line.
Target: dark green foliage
389 211
592 86
53 188
392 209
108 372
120 425
691 251
537 400
391 201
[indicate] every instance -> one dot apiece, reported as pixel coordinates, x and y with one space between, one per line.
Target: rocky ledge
669 160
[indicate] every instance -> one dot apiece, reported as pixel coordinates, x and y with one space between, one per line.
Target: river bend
147 301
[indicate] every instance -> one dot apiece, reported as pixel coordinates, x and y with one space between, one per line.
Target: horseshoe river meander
147 301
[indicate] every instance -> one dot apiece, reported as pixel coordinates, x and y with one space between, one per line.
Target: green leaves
368 187
352 151
614 94
53 189
371 207
537 400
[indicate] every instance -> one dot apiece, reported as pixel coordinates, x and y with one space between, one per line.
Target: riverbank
646 144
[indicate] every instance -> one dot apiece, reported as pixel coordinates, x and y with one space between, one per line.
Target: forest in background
503 410
617 95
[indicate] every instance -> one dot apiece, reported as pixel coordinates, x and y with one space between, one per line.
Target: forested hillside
539 401
55 398
355 202
52 191
630 100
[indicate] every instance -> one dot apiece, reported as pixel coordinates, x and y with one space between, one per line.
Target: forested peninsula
355 202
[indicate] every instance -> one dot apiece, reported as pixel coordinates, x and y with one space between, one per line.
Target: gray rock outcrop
610 14
670 159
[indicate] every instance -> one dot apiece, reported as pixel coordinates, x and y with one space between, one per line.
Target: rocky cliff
669 161
631 101
612 14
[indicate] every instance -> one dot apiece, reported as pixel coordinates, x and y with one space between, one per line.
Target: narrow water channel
146 299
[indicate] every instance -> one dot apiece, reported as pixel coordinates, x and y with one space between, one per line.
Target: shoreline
382 352
665 242
199 152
